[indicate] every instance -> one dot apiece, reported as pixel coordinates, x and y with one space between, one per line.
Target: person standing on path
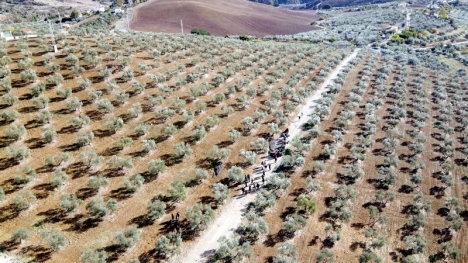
269 167
250 188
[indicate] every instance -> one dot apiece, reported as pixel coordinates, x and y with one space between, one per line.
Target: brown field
311 239
83 232
234 17
190 54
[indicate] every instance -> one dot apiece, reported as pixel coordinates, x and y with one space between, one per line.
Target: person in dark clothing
263 179
177 216
246 182
269 167
250 188
263 174
172 215
177 229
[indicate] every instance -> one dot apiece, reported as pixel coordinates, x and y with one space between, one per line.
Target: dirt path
231 215
6 259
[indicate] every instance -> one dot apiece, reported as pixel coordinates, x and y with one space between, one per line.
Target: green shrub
156 209
200 31
127 238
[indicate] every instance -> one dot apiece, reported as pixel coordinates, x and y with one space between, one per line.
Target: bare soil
234 17
80 230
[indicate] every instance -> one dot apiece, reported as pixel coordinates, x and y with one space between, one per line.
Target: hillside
311 4
220 17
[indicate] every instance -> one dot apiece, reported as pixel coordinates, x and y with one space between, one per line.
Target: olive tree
84 138
182 150
91 159
127 238
24 200
21 234
16 132
134 182
232 249
54 238
169 245
221 192
25 175
92 256
199 216
96 182
120 162
98 209
325 256
114 124
59 178
17 153
177 191
48 135
156 166
234 135
286 254
253 225
250 157
156 209
69 202
236 174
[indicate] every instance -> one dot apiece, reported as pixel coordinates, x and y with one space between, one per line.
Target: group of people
175 222
250 185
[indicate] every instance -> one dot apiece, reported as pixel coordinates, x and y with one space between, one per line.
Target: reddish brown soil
235 17
309 241
78 228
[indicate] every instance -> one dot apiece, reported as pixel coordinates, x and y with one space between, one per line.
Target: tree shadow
39 253
170 159
52 216
81 227
9 212
314 241
5 141
9 245
437 191
224 144
68 129
100 133
113 252
207 200
6 163
32 124
287 212
355 245
141 221
44 190
121 193
111 151
85 193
